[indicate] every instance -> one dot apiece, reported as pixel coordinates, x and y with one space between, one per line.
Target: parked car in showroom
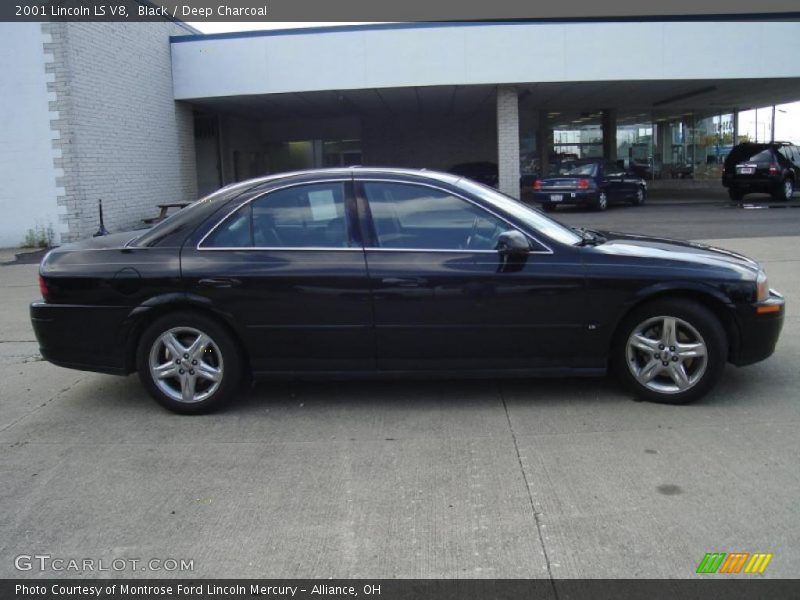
772 168
380 272
590 182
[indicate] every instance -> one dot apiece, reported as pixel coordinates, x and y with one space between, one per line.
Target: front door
445 299
289 271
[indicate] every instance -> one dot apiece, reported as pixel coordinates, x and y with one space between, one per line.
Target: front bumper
567 197
760 327
80 337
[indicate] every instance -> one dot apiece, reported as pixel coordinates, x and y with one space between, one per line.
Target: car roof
311 174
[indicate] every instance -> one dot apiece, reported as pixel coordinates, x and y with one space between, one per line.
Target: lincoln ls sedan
392 273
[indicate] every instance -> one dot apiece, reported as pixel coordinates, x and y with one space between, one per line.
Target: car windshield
578 169
527 215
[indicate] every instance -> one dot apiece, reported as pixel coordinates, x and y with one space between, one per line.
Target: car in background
484 172
590 182
772 168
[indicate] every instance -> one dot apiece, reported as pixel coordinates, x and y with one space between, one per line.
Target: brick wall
508 140
121 135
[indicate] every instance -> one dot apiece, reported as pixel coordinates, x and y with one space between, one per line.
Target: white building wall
27 174
122 136
466 54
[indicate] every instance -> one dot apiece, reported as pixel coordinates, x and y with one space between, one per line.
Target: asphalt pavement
565 478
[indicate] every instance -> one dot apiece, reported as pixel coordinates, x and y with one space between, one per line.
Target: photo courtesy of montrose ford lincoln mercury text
363 271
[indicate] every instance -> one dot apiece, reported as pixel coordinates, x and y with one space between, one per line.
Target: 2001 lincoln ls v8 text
361 271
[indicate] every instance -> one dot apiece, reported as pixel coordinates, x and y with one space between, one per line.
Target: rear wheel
548 207
602 201
734 194
189 362
785 191
670 351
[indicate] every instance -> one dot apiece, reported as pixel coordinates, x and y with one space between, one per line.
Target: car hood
669 250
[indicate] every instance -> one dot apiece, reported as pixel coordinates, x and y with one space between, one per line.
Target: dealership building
141 114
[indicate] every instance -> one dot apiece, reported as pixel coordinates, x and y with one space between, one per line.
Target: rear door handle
219 282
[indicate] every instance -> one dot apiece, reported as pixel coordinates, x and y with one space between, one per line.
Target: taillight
43 289
537 185
583 184
773 169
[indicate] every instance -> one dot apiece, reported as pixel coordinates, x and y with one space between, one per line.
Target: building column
735 126
544 143
508 140
609 124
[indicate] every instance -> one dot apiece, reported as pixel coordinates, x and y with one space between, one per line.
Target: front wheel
640 196
189 362
670 351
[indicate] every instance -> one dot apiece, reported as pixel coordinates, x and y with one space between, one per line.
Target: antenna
102 231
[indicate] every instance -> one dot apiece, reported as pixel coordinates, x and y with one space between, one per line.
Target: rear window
750 153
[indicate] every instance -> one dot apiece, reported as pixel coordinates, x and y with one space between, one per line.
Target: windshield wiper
589 237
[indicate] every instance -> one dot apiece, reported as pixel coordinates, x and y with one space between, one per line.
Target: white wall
27 176
484 54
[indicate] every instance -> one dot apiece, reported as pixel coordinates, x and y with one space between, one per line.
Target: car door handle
219 282
403 281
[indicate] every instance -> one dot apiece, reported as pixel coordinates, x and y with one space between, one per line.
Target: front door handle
402 281
219 282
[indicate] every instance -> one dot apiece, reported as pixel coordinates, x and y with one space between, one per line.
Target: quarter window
303 216
418 217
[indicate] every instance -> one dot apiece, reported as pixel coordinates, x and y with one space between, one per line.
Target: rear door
287 268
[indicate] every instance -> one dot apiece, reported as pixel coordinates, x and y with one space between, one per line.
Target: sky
787 116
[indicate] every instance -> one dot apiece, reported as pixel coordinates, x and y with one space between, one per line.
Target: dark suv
772 168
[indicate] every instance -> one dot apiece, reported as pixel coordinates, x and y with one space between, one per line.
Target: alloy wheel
602 201
788 189
186 364
667 355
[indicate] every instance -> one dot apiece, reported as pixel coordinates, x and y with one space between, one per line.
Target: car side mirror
513 243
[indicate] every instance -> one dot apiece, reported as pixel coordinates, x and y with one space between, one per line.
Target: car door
615 178
445 299
288 269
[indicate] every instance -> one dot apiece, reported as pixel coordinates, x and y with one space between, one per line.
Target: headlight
762 287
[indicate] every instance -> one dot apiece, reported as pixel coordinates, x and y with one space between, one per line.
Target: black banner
405 10
399 589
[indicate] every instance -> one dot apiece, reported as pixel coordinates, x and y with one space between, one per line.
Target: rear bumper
567 197
754 184
80 337
759 331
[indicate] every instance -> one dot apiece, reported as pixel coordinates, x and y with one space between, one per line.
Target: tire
641 196
218 357
735 194
785 191
548 207
633 359
602 201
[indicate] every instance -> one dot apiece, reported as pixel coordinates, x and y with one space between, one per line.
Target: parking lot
561 478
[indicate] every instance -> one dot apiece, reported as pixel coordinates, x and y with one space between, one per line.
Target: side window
408 216
303 216
234 232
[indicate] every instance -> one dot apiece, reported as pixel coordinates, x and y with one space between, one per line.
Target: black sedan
364 272
590 182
